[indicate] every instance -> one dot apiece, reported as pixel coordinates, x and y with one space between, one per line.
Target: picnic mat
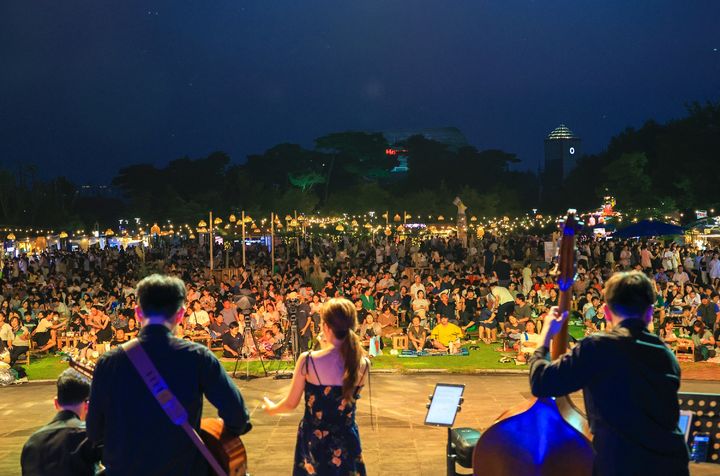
432 353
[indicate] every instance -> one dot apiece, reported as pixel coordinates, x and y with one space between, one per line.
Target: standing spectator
501 271
502 304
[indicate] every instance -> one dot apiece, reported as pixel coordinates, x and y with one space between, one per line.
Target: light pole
272 243
212 226
243 237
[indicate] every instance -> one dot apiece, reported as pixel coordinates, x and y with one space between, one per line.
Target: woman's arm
297 387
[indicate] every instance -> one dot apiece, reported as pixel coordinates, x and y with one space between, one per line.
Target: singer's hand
269 406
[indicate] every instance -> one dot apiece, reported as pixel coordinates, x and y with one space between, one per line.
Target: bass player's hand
552 324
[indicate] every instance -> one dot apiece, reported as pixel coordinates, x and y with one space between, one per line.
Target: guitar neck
85 370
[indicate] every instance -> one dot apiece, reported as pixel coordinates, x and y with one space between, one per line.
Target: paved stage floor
396 443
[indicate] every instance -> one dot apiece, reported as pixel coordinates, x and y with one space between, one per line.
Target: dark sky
89 86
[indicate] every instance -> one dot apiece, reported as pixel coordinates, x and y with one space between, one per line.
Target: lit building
450 136
562 149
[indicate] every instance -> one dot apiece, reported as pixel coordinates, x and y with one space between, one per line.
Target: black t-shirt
361 314
235 343
599 323
708 314
445 310
303 312
471 306
502 269
489 259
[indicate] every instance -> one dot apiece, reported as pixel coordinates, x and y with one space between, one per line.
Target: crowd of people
433 290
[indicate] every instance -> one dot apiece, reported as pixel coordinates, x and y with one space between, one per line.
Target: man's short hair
160 296
233 324
629 294
72 388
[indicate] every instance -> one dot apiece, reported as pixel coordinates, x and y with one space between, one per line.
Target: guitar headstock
83 367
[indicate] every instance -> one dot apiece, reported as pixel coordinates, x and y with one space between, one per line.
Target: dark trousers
504 310
16 352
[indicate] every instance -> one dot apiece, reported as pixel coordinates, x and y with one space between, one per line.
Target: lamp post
272 243
297 237
212 226
243 237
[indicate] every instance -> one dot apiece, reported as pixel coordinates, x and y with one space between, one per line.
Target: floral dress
328 442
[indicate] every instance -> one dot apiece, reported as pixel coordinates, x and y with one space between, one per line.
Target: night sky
89 86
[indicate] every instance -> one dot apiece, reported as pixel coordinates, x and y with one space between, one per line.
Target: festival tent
649 228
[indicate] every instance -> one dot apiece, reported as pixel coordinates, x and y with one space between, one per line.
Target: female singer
328 441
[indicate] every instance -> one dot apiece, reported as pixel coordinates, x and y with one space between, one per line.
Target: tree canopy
658 167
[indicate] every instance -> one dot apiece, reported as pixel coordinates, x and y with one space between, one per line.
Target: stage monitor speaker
706 419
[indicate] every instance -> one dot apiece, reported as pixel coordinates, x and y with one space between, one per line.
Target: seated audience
446 336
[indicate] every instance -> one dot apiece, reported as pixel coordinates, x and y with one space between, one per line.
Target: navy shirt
138 436
630 382
60 448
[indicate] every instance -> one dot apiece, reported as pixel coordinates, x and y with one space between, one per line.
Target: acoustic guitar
542 436
228 449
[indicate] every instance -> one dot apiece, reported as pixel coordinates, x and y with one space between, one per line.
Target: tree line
657 167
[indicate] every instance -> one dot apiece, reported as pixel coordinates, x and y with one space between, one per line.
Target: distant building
88 190
562 149
450 136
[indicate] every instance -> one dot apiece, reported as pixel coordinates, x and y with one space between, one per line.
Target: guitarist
630 381
123 415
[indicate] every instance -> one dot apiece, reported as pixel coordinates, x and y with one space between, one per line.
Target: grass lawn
49 367
486 357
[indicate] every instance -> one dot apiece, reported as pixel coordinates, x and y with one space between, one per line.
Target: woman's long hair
340 316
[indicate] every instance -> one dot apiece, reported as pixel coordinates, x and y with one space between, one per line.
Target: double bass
542 436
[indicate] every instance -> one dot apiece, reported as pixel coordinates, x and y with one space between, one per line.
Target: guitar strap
167 400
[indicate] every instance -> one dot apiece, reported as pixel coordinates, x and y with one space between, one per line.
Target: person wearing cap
445 307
